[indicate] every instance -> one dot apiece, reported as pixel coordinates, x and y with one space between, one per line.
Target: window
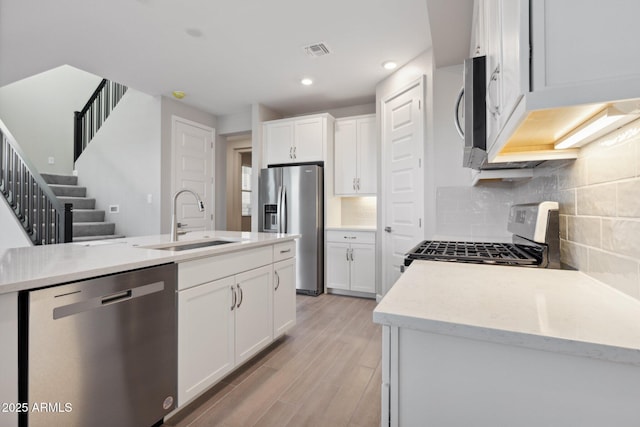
246 190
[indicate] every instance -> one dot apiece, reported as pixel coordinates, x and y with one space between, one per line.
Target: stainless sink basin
187 246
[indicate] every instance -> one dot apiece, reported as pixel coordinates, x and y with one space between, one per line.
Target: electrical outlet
52 160
114 208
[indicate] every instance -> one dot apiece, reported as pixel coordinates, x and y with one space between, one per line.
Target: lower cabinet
206 331
351 266
223 323
284 296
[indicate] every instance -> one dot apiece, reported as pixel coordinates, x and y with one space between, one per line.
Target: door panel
367 156
403 141
363 276
193 170
338 265
284 296
279 143
205 336
254 321
345 156
309 135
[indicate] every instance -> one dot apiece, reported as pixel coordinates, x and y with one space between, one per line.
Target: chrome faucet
174 223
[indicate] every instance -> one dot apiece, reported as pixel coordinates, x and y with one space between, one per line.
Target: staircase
88 223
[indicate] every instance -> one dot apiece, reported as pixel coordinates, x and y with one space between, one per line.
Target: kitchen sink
187 246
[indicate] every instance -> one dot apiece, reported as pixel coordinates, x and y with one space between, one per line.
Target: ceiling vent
317 49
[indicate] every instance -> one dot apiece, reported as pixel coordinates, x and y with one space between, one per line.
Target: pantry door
193 160
403 178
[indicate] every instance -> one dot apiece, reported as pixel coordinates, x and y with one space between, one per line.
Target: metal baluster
14 177
32 182
47 220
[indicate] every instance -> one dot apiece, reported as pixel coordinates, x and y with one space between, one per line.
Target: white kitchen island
478 345
233 299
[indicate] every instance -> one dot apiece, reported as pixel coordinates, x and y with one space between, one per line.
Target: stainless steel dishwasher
101 352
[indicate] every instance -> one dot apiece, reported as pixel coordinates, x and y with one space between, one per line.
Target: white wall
12 234
121 166
235 123
39 113
171 107
259 114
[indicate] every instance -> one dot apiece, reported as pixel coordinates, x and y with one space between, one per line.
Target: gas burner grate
478 252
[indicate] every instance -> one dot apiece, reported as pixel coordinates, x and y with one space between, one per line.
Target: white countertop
33 267
552 310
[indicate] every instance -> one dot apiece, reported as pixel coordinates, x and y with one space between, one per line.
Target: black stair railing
45 219
99 106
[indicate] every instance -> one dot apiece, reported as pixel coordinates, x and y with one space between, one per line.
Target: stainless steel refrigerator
291 201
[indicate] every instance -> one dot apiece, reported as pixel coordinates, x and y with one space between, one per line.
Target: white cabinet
205 336
254 322
9 357
297 140
284 296
355 155
551 66
229 308
351 261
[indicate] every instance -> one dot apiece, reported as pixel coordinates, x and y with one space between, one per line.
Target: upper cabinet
297 140
355 156
552 69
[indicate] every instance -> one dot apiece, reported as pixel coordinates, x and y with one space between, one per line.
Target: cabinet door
205 336
515 55
279 142
309 139
363 268
284 296
345 155
254 321
366 156
338 265
492 17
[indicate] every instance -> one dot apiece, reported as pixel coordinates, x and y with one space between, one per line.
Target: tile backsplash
599 196
358 211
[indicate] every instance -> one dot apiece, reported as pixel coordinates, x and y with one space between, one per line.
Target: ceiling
224 54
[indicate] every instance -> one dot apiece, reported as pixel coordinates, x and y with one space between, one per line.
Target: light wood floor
325 372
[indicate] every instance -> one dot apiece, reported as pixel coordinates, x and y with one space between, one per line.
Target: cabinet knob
387 229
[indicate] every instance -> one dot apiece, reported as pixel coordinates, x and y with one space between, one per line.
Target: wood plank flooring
325 372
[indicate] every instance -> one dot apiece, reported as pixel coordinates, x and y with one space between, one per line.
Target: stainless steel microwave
473 129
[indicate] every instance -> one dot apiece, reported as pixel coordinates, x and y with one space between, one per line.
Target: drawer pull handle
277 280
233 298
285 251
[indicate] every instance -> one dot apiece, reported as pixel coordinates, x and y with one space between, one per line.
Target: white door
337 265
193 162
284 296
254 321
367 155
363 272
309 135
205 336
345 156
403 178
278 142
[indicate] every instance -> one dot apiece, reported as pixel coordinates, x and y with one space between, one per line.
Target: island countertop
39 266
552 310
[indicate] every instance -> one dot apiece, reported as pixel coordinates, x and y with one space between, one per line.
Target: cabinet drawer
348 236
284 250
204 270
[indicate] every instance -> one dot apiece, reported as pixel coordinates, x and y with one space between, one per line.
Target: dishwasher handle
116 297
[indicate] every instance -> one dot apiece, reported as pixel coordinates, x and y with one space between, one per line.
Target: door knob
387 229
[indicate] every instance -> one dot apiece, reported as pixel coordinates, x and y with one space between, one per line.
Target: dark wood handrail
29 195
90 118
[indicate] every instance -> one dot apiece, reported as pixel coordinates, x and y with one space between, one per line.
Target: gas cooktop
536 242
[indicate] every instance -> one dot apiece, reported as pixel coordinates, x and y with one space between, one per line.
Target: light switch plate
52 160
114 208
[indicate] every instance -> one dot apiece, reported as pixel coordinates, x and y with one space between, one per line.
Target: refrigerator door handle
279 209
285 220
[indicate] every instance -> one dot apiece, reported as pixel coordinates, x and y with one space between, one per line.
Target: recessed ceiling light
178 94
389 65
306 81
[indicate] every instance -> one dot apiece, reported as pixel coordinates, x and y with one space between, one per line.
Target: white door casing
192 168
402 177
